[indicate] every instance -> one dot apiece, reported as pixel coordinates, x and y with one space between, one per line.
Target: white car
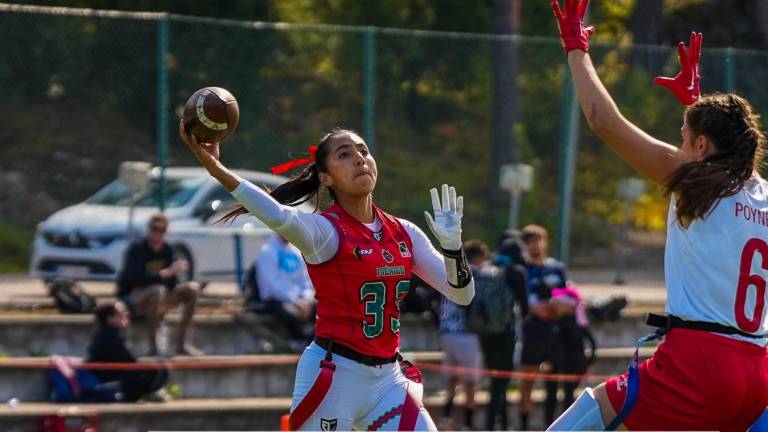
87 241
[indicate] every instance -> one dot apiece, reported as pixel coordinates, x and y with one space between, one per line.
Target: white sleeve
313 234
429 265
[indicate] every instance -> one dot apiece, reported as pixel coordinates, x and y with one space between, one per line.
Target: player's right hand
206 153
685 85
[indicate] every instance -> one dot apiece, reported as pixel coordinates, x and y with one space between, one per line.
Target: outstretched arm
649 156
312 234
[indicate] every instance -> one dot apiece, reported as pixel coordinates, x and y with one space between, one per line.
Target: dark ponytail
730 123
303 187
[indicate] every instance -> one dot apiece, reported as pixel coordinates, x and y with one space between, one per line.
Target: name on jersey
390 271
752 214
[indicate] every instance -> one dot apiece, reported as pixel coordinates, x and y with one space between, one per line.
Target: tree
647 27
506 110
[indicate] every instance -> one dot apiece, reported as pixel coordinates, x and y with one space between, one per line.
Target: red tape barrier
290 360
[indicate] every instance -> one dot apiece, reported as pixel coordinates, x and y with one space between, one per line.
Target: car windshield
178 191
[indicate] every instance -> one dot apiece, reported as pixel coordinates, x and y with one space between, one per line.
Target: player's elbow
606 122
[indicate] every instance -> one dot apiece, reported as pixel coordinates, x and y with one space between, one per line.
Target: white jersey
716 269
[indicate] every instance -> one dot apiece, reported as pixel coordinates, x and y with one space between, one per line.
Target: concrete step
23 335
26 379
217 414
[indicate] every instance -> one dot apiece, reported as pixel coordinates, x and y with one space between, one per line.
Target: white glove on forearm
446 225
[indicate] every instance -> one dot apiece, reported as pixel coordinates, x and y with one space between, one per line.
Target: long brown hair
733 127
303 187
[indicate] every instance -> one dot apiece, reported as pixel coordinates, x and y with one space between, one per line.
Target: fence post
162 103
369 85
239 277
729 72
569 143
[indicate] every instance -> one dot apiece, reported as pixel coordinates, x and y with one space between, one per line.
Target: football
211 114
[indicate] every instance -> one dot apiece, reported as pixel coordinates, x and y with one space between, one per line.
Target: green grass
15 247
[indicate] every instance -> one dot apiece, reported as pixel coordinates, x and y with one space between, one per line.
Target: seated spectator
108 345
285 288
149 285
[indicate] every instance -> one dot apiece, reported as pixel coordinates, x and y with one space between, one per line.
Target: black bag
253 301
70 297
492 309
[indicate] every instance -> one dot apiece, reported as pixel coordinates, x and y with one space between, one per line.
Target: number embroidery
746 279
374 296
401 289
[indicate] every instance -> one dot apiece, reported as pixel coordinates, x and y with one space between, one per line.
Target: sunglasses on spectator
157 228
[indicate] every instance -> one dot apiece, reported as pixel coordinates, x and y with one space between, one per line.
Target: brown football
211 114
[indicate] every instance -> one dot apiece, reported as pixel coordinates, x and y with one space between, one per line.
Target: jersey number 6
747 279
374 296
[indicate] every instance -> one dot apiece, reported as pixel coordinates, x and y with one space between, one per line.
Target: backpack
492 309
72 383
70 297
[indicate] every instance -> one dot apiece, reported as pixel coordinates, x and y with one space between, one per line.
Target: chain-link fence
84 91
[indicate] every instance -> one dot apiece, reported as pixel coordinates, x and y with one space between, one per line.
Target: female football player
360 261
711 372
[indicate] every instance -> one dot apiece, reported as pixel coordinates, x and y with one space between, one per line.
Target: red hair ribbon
287 166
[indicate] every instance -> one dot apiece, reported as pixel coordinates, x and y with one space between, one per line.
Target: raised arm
312 234
430 266
649 156
453 279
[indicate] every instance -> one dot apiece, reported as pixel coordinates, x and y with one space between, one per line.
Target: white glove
446 225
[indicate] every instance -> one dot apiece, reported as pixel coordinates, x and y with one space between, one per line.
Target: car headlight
103 240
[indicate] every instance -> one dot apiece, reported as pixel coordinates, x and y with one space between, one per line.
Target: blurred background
443 90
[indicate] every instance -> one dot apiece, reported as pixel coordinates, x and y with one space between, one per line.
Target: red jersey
358 290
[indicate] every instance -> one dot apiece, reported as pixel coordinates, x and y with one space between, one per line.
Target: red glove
685 85
573 35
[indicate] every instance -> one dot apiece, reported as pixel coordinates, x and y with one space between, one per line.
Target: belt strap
409 414
633 381
351 354
671 321
315 395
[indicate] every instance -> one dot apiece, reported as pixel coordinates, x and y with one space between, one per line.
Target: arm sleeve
135 271
313 234
267 274
430 266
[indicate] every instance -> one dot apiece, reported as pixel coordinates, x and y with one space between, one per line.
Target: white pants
361 397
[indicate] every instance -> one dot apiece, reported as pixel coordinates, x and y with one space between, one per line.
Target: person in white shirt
711 371
284 286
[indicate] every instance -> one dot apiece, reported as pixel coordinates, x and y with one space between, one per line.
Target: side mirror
208 209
